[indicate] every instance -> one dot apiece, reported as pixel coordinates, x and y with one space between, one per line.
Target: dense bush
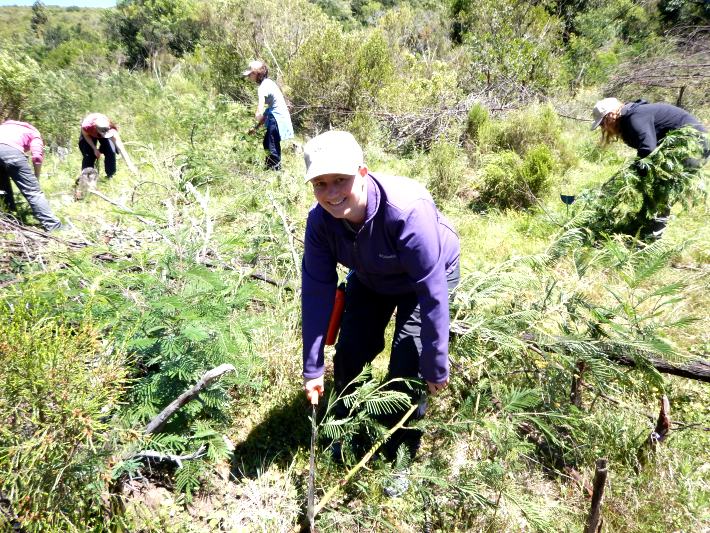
335 74
509 181
419 88
520 130
477 118
75 52
17 78
603 36
238 31
48 99
147 28
508 45
420 31
447 162
59 389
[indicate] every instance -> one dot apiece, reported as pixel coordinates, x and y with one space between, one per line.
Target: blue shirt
274 103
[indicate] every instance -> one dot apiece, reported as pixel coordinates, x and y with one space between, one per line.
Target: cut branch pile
421 129
25 244
688 65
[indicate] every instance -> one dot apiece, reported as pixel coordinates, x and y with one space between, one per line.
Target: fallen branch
663 425
581 482
698 369
178 459
207 379
594 521
658 435
124 208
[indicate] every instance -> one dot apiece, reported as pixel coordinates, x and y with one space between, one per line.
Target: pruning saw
311 514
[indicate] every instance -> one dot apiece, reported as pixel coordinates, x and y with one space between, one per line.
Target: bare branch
207 379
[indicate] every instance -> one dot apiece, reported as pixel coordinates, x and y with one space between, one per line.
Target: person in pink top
99 135
17 138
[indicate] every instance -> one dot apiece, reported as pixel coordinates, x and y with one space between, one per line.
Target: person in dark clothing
404 255
641 125
99 136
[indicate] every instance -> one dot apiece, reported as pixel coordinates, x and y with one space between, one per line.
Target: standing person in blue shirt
271 111
404 255
642 126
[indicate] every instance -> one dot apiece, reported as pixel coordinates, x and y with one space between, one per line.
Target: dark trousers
272 144
362 338
106 147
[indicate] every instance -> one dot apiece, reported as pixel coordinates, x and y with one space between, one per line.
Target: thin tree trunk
594 521
577 382
679 100
663 425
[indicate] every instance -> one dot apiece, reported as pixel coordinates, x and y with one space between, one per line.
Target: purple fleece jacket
405 245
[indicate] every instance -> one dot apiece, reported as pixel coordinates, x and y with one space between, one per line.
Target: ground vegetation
563 327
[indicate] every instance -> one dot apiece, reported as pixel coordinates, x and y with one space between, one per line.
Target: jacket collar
374 196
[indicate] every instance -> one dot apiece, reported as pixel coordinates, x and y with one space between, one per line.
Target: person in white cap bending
403 254
641 125
271 111
99 135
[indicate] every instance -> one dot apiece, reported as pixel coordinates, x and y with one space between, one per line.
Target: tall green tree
509 43
39 17
147 28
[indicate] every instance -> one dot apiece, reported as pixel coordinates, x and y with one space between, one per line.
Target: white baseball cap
103 127
332 152
602 108
253 66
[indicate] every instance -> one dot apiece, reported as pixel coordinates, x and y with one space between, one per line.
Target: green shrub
521 130
76 53
507 43
419 86
52 100
238 31
363 126
417 30
477 118
446 167
17 79
335 74
59 387
147 28
536 169
509 181
56 105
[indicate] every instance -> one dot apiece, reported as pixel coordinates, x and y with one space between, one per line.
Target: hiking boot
656 229
397 484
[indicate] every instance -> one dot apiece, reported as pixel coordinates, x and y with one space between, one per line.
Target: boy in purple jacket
404 255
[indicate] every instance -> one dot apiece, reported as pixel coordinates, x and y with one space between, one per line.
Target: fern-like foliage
628 202
366 400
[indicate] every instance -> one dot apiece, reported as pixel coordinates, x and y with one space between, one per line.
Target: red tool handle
335 316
